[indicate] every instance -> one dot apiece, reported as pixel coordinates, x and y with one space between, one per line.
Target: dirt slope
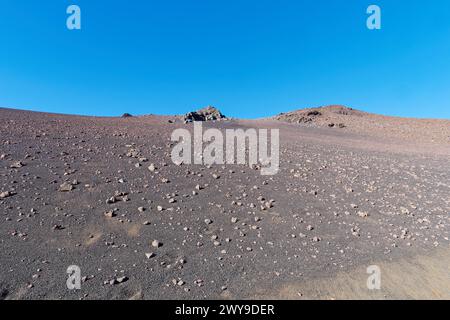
342 201
341 117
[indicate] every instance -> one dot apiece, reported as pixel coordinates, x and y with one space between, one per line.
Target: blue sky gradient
249 58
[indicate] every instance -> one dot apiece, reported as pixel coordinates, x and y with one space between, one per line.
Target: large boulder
206 114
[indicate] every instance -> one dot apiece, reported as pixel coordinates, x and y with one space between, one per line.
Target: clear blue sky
249 58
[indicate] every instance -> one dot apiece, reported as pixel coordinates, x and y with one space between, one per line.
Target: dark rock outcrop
206 114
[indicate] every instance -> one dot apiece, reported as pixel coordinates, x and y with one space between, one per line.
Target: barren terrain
103 194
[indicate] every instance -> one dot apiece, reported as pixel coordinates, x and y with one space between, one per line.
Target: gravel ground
103 194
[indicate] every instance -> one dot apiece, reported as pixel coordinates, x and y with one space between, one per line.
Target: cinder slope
423 130
342 201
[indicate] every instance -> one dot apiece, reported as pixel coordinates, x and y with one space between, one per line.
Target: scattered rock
363 214
118 280
156 244
110 214
206 114
17 165
65 187
5 194
404 210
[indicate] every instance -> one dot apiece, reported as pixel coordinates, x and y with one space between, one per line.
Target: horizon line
31 109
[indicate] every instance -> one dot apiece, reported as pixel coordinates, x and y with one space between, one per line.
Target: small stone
111 200
118 280
16 165
149 255
363 214
355 232
5 194
152 168
109 214
122 279
65 187
156 244
404 210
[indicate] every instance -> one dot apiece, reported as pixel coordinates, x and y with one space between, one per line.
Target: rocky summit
206 114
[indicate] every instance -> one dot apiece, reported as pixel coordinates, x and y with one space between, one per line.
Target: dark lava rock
206 114
314 113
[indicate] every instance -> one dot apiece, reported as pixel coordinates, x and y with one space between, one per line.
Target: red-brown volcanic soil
410 129
78 191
